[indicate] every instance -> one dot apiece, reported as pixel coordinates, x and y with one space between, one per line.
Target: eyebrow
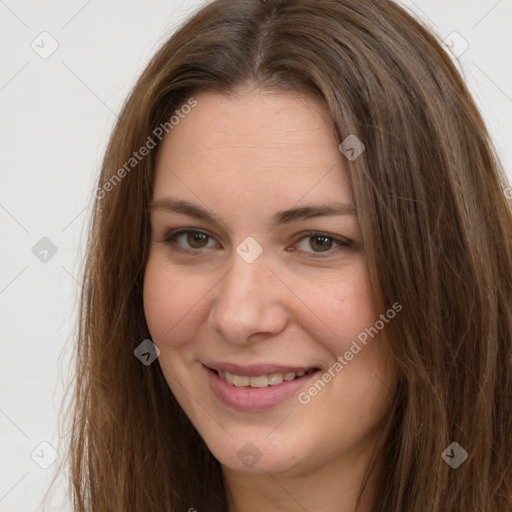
183 207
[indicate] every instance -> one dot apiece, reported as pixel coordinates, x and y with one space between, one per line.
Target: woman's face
262 283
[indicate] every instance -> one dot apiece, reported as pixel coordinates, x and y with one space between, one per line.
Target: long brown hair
436 229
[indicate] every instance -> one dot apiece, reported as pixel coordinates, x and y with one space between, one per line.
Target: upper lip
254 370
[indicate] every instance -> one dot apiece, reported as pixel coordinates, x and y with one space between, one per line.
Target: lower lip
255 399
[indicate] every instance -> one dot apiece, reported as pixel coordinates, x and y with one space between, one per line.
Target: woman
298 287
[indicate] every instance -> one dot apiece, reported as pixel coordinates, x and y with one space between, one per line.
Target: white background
56 115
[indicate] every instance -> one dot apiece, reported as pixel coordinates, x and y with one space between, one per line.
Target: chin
257 457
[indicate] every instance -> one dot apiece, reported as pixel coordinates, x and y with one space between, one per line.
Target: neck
333 486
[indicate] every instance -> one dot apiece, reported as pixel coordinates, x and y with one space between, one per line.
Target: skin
244 157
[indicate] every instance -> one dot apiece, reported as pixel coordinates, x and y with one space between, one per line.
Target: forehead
253 145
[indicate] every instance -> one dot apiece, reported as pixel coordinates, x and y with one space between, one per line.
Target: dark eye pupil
197 239
320 243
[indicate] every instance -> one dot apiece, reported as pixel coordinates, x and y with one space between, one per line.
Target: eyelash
170 239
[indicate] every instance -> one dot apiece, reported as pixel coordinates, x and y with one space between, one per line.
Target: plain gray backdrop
66 69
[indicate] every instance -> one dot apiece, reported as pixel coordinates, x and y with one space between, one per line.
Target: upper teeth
261 381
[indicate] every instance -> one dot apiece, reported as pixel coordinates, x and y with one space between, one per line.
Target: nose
249 301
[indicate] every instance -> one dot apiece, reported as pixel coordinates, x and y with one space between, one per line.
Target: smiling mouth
261 381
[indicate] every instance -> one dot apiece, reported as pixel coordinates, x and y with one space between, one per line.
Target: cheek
172 301
342 307
333 310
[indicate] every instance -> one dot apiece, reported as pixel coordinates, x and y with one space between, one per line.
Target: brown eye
316 243
189 240
197 240
320 243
